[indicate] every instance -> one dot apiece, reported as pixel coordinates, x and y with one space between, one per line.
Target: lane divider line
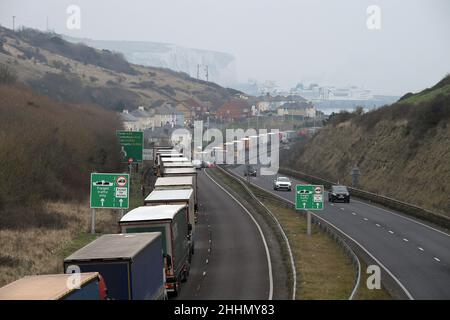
269 263
402 216
407 293
358 278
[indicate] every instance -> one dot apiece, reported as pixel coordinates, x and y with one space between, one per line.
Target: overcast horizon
285 41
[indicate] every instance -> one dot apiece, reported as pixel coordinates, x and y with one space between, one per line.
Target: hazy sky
288 41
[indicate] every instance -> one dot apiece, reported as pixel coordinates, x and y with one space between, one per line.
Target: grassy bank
38 246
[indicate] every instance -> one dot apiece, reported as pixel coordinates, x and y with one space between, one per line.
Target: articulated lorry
131 264
81 286
170 221
177 196
174 183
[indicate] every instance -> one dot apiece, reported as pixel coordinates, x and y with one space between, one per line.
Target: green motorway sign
110 190
308 197
132 144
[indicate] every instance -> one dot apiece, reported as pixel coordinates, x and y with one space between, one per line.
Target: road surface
236 266
417 255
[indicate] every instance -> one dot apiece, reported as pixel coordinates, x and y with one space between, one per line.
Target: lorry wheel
177 289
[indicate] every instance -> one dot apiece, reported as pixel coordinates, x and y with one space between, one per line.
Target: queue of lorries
148 259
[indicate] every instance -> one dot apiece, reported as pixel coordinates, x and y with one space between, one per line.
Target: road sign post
109 191
93 221
309 197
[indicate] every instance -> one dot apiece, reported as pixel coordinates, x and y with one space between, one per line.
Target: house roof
233 107
138 113
296 105
127 117
165 109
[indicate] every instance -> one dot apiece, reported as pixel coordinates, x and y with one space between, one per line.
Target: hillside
74 72
47 151
221 65
402 150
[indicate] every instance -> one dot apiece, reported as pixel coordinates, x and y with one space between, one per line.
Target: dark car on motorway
339 193
250 171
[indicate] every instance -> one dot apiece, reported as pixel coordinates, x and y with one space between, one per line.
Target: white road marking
421 249
353 213
269 263
342 208
408 294
437 259
377 225
406 240
391 232
365 219
402 216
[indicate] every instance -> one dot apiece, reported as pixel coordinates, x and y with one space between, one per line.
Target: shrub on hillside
76 51
69 87
48 149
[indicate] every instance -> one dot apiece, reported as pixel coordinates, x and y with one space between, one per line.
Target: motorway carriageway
418 255
230 259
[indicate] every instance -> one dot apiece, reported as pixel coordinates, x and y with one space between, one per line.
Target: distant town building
234 109
146 118
314 92
168 115
129 121
299 108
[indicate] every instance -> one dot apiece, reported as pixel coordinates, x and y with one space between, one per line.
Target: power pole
14 22
207 74
198 71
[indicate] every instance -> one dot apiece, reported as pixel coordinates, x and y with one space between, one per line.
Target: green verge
323 269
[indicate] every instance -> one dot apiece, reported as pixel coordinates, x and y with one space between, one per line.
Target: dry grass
27 249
